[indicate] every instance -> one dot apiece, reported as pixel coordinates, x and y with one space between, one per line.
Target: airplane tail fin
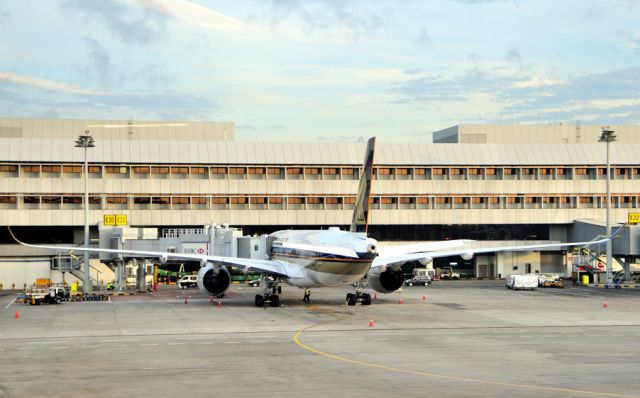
359 222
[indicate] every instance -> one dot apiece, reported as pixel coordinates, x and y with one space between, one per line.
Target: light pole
86 141
608 136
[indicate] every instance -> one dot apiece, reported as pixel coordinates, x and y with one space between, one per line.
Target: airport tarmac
465 338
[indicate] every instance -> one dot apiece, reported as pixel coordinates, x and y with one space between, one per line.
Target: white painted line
119 345
89 346
58 348
232 342
177 343
204 343
119 340
45 342
11 303
148 345
260 336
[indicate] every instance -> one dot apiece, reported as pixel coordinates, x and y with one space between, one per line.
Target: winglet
360 220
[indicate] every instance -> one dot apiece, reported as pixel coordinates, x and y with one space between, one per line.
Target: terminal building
492 183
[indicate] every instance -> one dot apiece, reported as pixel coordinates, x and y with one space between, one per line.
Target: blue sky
326 69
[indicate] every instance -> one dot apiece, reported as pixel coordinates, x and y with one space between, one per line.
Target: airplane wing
278 268
396 257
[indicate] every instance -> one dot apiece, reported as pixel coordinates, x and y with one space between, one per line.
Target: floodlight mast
86 141
608 136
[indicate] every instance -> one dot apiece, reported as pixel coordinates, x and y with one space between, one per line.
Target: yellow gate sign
121 219
110 220
634 218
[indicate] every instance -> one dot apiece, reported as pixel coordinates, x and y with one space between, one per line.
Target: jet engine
466 256
385 279
213 281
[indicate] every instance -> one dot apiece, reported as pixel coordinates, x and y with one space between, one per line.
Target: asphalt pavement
451 339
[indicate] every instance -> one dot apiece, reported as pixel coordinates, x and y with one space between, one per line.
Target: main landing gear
270 291
307 295
359 296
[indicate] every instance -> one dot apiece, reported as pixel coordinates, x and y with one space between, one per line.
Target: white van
188 281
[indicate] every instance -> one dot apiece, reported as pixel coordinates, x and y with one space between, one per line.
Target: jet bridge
215 240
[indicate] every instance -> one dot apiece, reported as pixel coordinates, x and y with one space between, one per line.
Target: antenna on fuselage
360 220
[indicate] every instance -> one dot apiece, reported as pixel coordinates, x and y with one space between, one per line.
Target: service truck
39 294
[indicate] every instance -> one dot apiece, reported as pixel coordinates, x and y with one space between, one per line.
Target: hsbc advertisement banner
195 248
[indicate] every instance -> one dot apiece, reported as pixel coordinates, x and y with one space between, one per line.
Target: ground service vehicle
448 273
418 280
49 295
188 281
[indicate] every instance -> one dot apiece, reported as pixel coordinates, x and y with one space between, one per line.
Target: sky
323 70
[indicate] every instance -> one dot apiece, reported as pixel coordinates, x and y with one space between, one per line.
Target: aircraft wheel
275 301
366 299
351 299
259 300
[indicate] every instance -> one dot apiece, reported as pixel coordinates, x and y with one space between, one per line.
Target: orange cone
211 299
424 298
109 299
401 301
371 323
17 314
375 296
219 304
605 304
185 300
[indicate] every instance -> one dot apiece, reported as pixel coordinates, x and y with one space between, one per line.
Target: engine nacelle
385 279
213 281
466 256
425 260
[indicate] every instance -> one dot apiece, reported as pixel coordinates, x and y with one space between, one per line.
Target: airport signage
112 220
634 218
195 248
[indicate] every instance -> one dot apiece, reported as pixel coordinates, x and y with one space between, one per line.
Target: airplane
321 258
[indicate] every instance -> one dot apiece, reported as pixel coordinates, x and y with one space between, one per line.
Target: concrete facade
117 129
557 133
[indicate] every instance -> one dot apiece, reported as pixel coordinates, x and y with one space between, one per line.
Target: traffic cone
424 298
109 299
211 299
17 314
371 323
401 301
219 304
185 300
375 296
605 304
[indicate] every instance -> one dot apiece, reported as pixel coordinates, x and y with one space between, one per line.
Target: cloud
424 39
143 104
121 19
37 82
329 18
100 61
4 16
595 96
196 14
513 56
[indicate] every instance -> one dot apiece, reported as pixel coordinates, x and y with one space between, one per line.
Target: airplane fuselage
324 268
